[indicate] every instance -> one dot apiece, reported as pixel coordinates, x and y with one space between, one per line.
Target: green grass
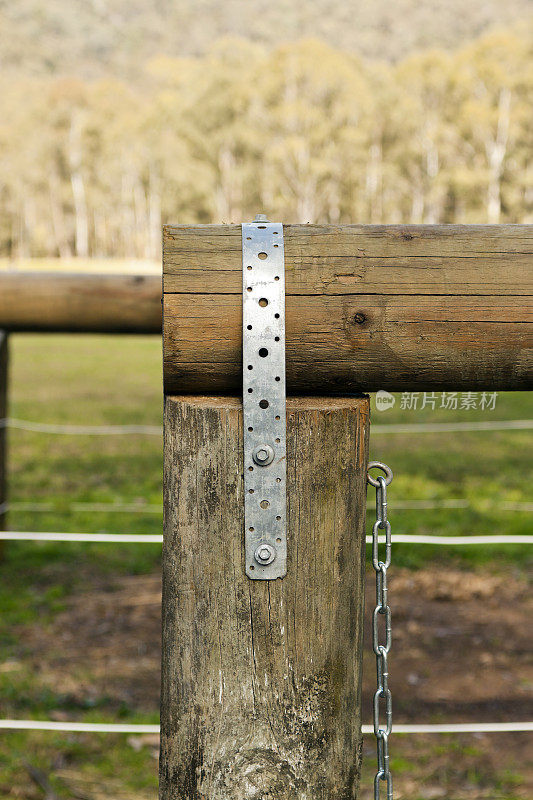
447 766
105 765
117 380
88 380
485 469
92 380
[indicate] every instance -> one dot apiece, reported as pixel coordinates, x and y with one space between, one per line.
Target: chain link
381 611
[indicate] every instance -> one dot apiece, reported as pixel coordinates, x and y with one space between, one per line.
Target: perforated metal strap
265 473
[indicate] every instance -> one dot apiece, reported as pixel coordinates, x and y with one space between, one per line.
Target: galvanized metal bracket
265 471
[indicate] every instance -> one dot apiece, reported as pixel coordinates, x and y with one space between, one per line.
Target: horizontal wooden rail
80 302
368 307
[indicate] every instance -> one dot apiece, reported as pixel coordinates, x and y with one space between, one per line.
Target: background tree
93 167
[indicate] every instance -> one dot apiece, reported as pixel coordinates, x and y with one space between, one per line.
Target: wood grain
363 343
368 308
3 431
80 302
261 679
360 259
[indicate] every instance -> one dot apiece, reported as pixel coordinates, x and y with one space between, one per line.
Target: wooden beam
368 307
80 302
3 431
261 680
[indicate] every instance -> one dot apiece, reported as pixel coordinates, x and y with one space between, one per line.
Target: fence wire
157 430
97 727
124 538
123 507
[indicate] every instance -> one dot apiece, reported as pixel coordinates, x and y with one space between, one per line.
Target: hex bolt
263 455
265 554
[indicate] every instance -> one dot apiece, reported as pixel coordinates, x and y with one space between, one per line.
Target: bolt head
263 455
265 554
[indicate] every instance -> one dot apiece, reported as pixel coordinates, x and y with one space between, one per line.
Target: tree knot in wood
256 774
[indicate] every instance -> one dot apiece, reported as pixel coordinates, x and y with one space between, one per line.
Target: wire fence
103 727
77 430
153 508
155 430
157 538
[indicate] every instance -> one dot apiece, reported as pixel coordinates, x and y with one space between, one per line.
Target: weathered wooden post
3 431
261 678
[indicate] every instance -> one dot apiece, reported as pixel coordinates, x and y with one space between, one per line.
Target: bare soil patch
461 653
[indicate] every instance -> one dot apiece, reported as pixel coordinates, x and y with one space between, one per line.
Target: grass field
106 380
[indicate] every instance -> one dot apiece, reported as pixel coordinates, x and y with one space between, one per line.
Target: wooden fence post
261 680
3 432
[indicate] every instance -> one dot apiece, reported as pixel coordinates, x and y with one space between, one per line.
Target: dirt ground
461 653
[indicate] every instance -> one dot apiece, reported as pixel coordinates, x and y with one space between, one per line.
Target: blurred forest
91 165
91 38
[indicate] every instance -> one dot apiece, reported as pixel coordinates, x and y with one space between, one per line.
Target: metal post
3 432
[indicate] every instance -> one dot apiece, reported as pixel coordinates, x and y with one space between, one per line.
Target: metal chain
382 609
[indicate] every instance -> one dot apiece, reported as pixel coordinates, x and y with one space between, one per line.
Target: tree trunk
78 188
374 180
62 244
154 216
261 680
140 207
496 151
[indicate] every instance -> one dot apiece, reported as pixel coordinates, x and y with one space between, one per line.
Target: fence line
86 430
157 430
407 538
97 727
157 538
125 538
428 505
451 427
76 727
123 508
152 508
459 727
